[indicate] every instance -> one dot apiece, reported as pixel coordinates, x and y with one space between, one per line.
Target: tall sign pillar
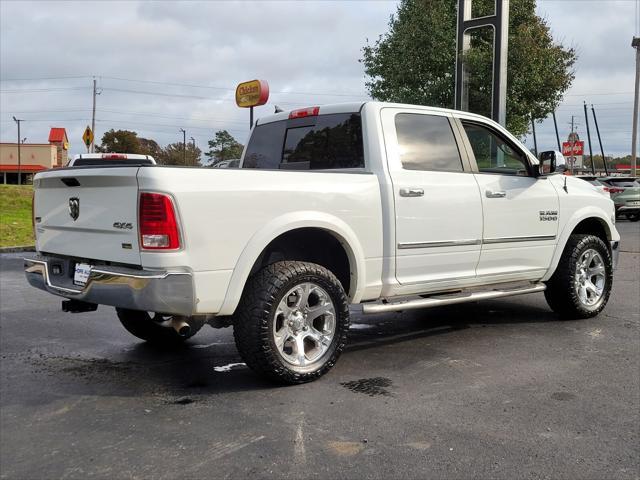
499 21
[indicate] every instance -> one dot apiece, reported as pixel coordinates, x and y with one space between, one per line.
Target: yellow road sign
87 136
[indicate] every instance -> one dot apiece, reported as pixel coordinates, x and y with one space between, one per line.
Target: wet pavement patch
370 386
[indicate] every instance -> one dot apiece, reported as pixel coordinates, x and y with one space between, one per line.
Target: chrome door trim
534 238
485 241
452 243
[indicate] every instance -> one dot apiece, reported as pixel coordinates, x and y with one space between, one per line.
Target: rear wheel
633 217
157 328
292 322
581 284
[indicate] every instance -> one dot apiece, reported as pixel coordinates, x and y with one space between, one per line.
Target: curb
18 249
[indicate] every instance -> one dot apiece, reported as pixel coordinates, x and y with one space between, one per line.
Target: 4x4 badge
74 207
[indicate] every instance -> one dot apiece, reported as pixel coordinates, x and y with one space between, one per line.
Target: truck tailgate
88 213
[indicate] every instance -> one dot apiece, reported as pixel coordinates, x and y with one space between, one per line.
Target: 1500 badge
548 215
123 226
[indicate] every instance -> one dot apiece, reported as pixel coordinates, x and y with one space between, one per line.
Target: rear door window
312 143
426 142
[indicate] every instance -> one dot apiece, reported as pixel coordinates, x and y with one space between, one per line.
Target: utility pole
586 119
193 142
93 115
184 146
604 160
555 124
573 144
19 144
635 43
535 140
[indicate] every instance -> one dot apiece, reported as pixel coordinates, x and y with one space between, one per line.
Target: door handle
411 192
495 194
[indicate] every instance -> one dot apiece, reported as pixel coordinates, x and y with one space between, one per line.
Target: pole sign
252 94
87 136
578 148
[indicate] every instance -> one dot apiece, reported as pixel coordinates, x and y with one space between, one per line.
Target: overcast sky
162 66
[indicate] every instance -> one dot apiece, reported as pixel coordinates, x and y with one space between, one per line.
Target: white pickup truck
393 207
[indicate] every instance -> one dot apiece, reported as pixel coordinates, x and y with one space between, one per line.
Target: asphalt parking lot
500 389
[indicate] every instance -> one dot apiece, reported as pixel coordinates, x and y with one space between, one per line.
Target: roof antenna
278 109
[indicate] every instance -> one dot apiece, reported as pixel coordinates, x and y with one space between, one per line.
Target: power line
37 90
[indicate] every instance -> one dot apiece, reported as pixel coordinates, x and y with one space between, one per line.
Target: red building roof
58 135
24 168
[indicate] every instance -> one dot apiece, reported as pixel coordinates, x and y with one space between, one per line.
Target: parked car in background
597 184
627 203
120 159
618 185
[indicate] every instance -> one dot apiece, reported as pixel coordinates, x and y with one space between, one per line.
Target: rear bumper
153 291
628 208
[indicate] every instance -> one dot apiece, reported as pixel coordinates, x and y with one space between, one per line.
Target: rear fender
284 224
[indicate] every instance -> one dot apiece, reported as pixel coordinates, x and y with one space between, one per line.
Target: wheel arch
588 220
288 230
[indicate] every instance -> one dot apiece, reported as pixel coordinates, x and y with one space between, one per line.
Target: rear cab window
321 142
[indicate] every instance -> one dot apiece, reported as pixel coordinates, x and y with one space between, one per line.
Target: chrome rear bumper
153 291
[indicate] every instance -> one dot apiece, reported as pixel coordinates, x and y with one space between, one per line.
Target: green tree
119 141
223 147
147 146
173 154
414 62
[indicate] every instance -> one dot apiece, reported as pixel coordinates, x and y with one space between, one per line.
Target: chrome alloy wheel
304 324
590 277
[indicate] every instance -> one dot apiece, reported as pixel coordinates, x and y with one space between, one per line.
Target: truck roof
350 107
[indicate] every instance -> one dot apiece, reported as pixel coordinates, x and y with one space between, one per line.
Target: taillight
157 222
304 112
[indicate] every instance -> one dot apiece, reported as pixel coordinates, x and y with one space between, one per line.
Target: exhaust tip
181 327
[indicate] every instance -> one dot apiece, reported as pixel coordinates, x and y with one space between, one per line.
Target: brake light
304 112
157 222
114 156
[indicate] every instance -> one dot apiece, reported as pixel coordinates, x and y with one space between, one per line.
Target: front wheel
581 284
292 322
633 217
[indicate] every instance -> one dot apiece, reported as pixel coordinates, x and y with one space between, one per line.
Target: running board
448 299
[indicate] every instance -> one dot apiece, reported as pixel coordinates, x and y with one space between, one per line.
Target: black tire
150 328
255 320
562 288
633 217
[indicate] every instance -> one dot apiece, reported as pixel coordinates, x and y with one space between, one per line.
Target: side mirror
547 164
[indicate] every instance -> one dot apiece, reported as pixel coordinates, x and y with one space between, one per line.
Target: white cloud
311 46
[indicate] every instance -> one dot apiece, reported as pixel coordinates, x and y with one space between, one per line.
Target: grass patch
15 215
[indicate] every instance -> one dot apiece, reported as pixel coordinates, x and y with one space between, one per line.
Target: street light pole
635 43
19 144
184 146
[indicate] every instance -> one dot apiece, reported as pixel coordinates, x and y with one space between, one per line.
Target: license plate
634 204
81 274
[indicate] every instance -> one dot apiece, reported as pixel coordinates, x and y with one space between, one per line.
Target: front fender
578 216
286 223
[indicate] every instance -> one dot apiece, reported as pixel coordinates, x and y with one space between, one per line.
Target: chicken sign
251 94
573 149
